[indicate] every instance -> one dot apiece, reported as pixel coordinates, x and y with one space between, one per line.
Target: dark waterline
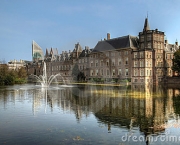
85 114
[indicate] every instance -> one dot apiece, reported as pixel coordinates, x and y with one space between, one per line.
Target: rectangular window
142 72
126 61
126 52
91 63
97 72
113 72
141 64
135 72
119 72
101 62
113 62
96 63
135 64
107 72
147 63
149 45
107 63
102 72
148 37
135 54
141 55
119 60
127 73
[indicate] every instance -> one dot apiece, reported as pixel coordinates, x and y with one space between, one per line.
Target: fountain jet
44 80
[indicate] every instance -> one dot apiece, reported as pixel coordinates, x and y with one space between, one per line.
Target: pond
89 114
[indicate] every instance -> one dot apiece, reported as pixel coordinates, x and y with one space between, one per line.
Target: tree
176 62
22 73
75 72
81 76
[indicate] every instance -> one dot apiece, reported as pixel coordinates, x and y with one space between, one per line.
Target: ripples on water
89 115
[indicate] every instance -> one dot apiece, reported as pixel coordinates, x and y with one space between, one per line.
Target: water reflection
149 109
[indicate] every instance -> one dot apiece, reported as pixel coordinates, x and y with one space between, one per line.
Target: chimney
108 36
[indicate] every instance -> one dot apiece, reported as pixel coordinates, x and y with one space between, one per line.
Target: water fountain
44 80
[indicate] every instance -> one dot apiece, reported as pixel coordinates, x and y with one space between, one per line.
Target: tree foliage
77 74
10 77
176 62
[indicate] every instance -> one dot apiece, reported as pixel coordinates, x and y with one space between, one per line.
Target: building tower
151 54
37 52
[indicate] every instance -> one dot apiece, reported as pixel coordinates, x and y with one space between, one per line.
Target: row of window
141 63
107 54
142 72
149 37
141 55
169 56
82 67
113 62
106 72
83 60
60 67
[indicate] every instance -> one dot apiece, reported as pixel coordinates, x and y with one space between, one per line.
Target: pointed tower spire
46 53
146 25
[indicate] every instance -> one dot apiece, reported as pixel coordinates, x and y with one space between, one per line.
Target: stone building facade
111 59
15 64
145 59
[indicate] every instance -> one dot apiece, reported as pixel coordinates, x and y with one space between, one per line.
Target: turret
146 25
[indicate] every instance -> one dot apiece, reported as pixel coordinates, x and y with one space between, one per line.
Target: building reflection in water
149 108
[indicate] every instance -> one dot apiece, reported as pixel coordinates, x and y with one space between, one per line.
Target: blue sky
60 24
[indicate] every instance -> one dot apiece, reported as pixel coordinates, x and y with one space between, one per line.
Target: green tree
81 76
9 80
22 73
3 70
75 72
176 62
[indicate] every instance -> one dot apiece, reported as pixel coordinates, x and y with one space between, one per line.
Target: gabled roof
171 48
117 43
85 52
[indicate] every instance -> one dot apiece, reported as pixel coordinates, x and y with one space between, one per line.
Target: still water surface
94 115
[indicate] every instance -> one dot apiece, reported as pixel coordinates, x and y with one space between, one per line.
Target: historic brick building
112 58
144 59
147 59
